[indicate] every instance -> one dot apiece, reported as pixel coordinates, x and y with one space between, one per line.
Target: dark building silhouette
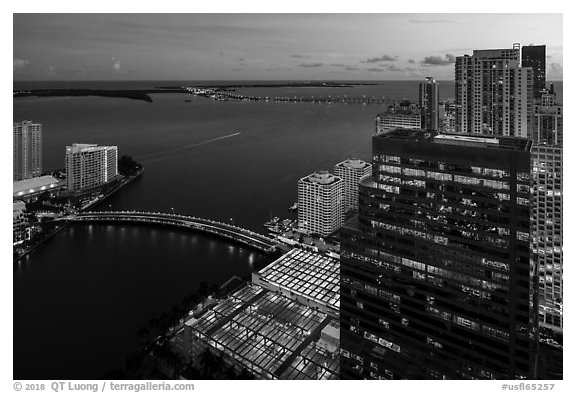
534 56
428 99
437 280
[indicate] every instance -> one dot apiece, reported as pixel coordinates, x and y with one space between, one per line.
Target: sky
375 46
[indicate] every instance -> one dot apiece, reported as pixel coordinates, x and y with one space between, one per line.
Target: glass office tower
534 56
437 280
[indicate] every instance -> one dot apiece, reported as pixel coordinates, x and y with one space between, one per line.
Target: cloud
20 65
411 61
381 58
116 65
311 65
375 69
411 71
81 72
438 60
394 68
50 70
555 71
299 56
346 67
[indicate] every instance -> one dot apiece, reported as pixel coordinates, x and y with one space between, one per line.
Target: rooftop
86 147
35 184
18 205
321 177
353 163
26 123
469 140
271 333
400 112
308 275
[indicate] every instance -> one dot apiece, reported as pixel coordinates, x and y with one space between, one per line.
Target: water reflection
125 274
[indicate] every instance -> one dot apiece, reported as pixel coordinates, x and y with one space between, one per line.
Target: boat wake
157 156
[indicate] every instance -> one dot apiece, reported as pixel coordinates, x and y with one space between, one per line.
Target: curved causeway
231 232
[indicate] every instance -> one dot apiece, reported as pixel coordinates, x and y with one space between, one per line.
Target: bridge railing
180 217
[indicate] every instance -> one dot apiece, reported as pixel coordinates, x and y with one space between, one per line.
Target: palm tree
245 374
210 363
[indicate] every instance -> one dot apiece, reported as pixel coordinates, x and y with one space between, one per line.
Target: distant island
144 94
232 85
132 94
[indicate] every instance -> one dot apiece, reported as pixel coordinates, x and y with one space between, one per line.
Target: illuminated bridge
232 232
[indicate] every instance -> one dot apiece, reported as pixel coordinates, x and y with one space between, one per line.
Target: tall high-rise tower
547 207
352 171
89 165
27 150
534 56
548 124
547 211
437 279
320 203
494 93
428 97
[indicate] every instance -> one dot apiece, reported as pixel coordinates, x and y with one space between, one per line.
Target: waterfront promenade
46 235
231 232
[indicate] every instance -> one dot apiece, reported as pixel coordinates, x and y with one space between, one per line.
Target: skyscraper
89 165
494 93
548 125
27 150
320 203
437 279
448 117
534 56
352 171
428 98
547 206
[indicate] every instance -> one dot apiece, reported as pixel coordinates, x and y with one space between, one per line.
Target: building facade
352 171
20 227
547 207
89 165
548 125
27 150
388 121
437 280
429 101
448 117
534 56
31 189
494 94
320 203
